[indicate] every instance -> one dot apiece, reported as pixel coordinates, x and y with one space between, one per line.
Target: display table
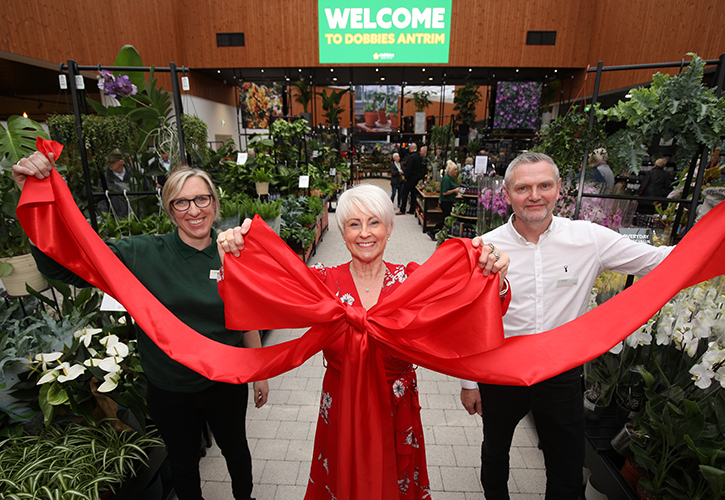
427 210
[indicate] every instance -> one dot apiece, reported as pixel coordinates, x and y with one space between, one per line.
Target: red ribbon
444 317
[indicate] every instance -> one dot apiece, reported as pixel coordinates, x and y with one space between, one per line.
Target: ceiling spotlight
556 70
430 79
334 79
218 71
262 71
382 78
470 69
332 70
423 69
300 70
517 70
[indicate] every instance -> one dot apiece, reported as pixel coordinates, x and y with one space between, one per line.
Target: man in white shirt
554 263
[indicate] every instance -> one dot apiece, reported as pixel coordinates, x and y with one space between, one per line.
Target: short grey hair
529 157
601 154
367 198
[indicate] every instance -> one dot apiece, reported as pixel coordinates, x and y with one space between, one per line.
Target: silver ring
222 239
496 254
493 248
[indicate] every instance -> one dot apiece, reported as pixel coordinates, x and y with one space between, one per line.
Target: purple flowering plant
117 87
518 105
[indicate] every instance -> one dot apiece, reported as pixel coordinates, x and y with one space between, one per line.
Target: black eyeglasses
183 204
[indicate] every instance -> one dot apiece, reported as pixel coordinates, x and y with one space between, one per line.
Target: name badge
566 282
214 274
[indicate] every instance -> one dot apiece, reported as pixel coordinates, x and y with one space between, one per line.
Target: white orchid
702 376
617 348
86 335
46 358
641 337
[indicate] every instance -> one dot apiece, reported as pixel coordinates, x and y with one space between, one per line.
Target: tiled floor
281 433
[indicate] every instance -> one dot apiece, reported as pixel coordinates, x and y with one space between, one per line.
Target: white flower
110 364
70 372
702 376
398 388
86 335
664 330
114 347
347 299
110 382
48 377
640 337
47 358
617 348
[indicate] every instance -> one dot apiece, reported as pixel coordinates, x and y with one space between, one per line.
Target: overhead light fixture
25 115
430 79
517 70
218 71
376 70
334 79
332 70
382 78
470 69
300 70
262 71
556 70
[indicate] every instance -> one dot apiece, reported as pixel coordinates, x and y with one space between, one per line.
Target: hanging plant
195 135
465 101
674 107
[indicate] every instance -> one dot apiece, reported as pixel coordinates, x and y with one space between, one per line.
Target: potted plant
304 94
392 110
465 101
331 105
371 115
381 101
269 211
261 178
420 103
17 267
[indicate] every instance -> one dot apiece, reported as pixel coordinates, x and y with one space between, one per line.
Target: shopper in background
414 171
554 263
178 268
601 172
449 190
365 217
396 178
118 179
656 183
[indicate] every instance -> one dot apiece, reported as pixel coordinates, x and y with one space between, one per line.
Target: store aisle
281 433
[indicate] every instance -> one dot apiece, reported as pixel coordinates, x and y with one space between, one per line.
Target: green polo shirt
179 277
448 183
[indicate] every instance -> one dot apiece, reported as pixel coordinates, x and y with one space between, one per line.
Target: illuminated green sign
380 31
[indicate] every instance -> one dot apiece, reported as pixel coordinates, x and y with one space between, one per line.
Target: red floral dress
412 472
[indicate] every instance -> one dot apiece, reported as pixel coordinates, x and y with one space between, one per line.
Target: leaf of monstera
18 140
129 56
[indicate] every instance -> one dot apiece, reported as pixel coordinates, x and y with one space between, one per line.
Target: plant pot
419 127
393 122
591 492
227 223
592 410
620 442
262 188
644 493
275 223
631 472
382 117
370 118
25 271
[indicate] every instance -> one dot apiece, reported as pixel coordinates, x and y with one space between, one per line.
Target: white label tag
304 181
214 274
108 303
566 282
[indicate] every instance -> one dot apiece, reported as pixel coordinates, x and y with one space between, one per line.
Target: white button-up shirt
551 280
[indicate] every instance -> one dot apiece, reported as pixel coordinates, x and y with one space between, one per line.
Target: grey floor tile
280 472
440 455
271 449
460 478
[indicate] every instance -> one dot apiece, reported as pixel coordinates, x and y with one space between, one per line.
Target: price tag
333 172
108 303
304 181
80 83
242 158
63 82
638 234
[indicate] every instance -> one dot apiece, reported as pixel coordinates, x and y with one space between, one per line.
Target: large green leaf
19 138
129 56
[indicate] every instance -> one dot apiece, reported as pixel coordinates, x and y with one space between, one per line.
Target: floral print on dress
347 299
397 275
321 268
325 405
399 388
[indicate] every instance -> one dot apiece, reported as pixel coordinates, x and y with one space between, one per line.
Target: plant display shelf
427 209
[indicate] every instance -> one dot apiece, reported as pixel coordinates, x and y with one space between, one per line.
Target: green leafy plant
16 142
674 107
267 210
465 101
195 137
261 175
71 462
331 105
420 100
304 93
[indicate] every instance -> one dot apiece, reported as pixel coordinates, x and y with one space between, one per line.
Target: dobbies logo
383 56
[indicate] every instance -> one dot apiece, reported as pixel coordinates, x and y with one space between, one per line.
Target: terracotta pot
382 118
631 472
393 122
370 118
24 271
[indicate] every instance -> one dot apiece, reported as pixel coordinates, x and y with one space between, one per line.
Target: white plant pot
592 493
24 271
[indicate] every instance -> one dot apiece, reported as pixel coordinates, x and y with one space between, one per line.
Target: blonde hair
661 162
175 183
367 198
469 161
450 165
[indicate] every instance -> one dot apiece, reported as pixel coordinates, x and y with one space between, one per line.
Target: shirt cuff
467 384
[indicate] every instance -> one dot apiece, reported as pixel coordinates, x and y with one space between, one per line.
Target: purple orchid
116 87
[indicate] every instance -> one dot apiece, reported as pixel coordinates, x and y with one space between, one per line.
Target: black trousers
180 418
556 405
408 191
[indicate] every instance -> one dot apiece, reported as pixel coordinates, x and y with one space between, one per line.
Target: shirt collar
186 251
521 239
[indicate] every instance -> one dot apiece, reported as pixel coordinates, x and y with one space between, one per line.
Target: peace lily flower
110 382
110 364
86 335
69 372
47 358
114 347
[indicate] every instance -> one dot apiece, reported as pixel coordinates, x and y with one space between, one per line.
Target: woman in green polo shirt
449 190
179 269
